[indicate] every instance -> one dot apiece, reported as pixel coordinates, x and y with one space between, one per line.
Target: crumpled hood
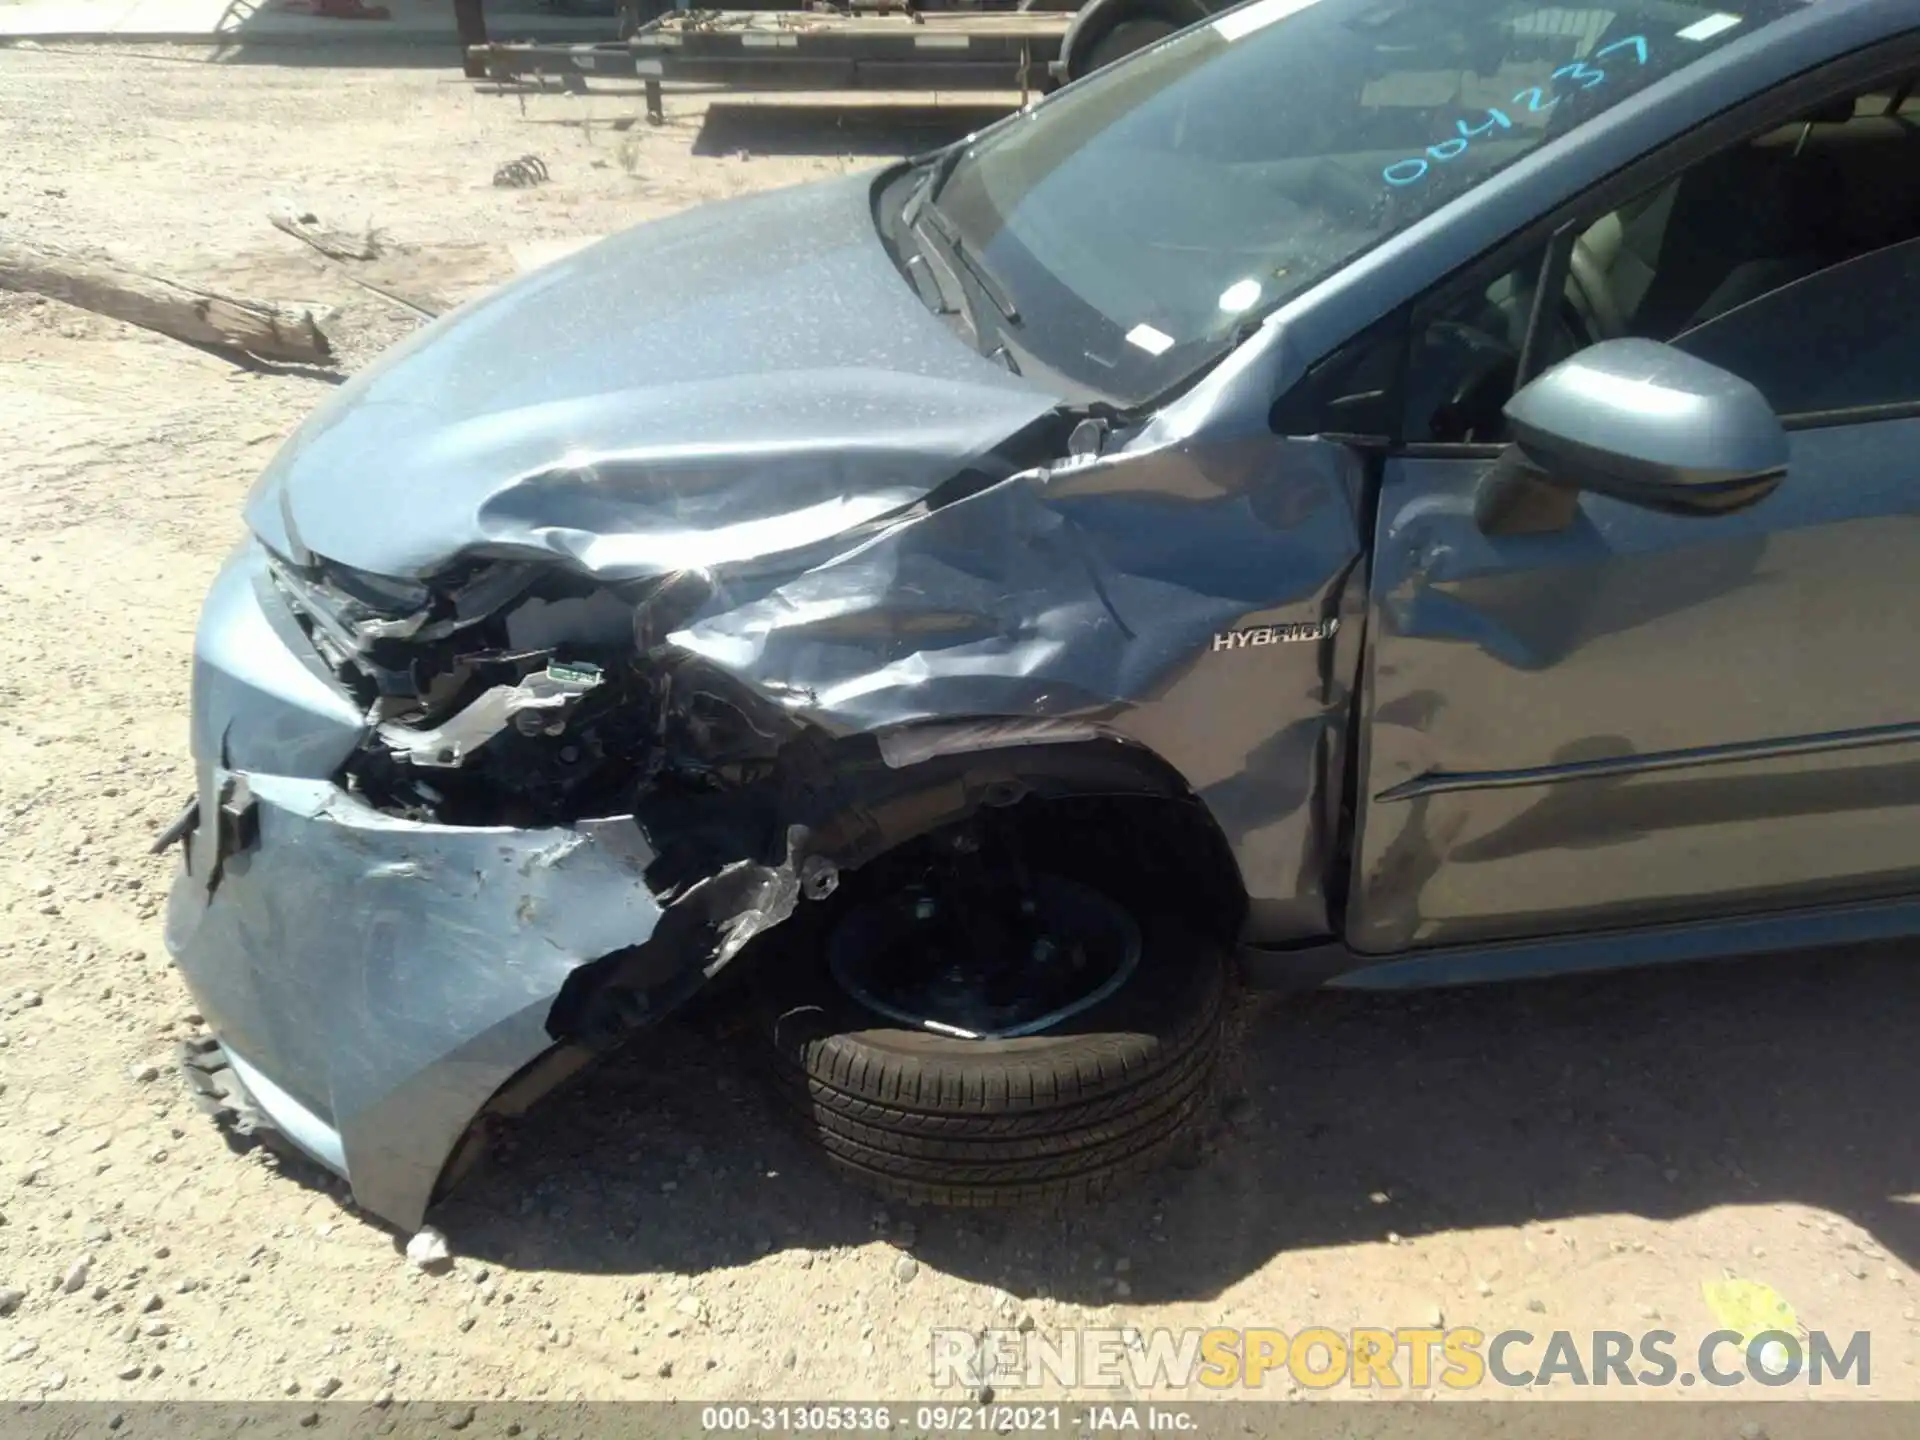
742 378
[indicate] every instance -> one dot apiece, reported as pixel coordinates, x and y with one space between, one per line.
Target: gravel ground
1573 1155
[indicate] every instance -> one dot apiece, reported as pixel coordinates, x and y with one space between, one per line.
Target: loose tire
1065 1115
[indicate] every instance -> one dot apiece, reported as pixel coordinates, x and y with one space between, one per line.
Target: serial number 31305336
985 1419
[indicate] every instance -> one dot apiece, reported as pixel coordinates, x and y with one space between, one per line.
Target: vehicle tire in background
1125 38
1065 1115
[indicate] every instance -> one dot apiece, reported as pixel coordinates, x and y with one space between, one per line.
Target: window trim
1852 415
1449 449
1837 415
1390 330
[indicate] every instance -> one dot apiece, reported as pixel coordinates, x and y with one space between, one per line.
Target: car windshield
1138 219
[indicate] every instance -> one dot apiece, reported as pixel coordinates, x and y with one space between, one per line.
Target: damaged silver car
1241 516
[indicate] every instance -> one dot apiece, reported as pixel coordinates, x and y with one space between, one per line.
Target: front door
1644 717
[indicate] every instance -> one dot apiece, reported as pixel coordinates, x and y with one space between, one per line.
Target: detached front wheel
1019 1044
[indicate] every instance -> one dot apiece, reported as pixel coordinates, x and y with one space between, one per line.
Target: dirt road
1572 1156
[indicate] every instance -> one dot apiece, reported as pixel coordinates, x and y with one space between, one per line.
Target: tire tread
959 1123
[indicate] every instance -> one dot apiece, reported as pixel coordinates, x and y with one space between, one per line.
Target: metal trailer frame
806 50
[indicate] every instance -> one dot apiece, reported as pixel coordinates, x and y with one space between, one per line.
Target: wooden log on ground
334 244
339 245
261 328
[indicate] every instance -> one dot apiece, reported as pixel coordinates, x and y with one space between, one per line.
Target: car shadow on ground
1657 1093
866 130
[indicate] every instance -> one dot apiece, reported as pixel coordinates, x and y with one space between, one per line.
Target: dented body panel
730 381
1093 593
380 976
613 617
387 977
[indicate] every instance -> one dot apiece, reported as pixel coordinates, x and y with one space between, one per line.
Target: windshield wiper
921 213
941 171
928 219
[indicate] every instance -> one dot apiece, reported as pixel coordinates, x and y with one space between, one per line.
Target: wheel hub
984 961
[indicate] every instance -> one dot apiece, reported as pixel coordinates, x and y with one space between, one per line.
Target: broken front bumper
374 980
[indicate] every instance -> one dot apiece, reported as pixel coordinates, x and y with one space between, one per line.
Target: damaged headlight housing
380 594
349 610
518 692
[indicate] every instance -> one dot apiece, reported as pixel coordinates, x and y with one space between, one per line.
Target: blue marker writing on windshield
1416 167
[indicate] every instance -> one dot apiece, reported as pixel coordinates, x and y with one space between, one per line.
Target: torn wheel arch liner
961 774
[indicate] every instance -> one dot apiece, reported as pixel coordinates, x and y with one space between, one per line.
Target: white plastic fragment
428 1249
1774 1358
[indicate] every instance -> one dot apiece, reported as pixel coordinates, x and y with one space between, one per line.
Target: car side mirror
1642 423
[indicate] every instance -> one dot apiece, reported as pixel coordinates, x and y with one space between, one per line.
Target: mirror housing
1649 425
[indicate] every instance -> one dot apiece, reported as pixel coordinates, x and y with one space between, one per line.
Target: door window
1842 341
1787 259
